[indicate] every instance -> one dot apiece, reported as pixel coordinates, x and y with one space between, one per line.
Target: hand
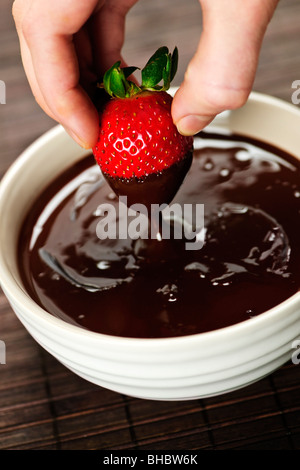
65 46
58 50
221 74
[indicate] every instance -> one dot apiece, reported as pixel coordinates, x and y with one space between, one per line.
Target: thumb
221 74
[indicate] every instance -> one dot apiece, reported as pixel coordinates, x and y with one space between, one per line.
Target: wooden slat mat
45 406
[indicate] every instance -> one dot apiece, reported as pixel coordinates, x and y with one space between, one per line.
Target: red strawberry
138 141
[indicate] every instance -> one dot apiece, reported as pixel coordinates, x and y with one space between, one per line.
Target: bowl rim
19 297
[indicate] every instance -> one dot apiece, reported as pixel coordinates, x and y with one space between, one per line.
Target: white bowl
180 368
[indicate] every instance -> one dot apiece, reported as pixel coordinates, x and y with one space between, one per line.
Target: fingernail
77 139
190 125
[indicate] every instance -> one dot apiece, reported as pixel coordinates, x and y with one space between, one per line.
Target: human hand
221 74
58 49
65 46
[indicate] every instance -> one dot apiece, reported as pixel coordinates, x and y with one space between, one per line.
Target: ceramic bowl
180 368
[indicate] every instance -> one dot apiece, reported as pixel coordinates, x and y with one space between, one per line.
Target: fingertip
189 109
192 124
76 138
86 139
82 125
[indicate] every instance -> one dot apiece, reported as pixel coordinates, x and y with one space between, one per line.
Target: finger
221 74
108 29
20 8
84 53
54 73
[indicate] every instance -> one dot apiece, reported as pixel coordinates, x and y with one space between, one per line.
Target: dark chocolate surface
157 288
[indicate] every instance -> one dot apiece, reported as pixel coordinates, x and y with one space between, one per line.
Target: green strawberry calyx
156 75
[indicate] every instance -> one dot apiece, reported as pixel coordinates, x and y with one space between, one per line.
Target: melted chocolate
249 263
162 186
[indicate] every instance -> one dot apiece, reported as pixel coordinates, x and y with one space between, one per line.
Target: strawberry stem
161 67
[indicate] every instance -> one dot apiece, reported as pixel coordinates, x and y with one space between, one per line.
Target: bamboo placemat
45 406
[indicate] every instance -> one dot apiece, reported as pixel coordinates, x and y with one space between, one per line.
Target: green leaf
133 89
174 64
167 73
107 78
117 83
161 67
129 71
161 51
152 74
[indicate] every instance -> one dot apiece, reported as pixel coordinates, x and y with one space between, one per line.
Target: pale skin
66 45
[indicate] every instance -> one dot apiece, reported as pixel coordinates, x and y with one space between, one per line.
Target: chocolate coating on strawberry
156 188
138 144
